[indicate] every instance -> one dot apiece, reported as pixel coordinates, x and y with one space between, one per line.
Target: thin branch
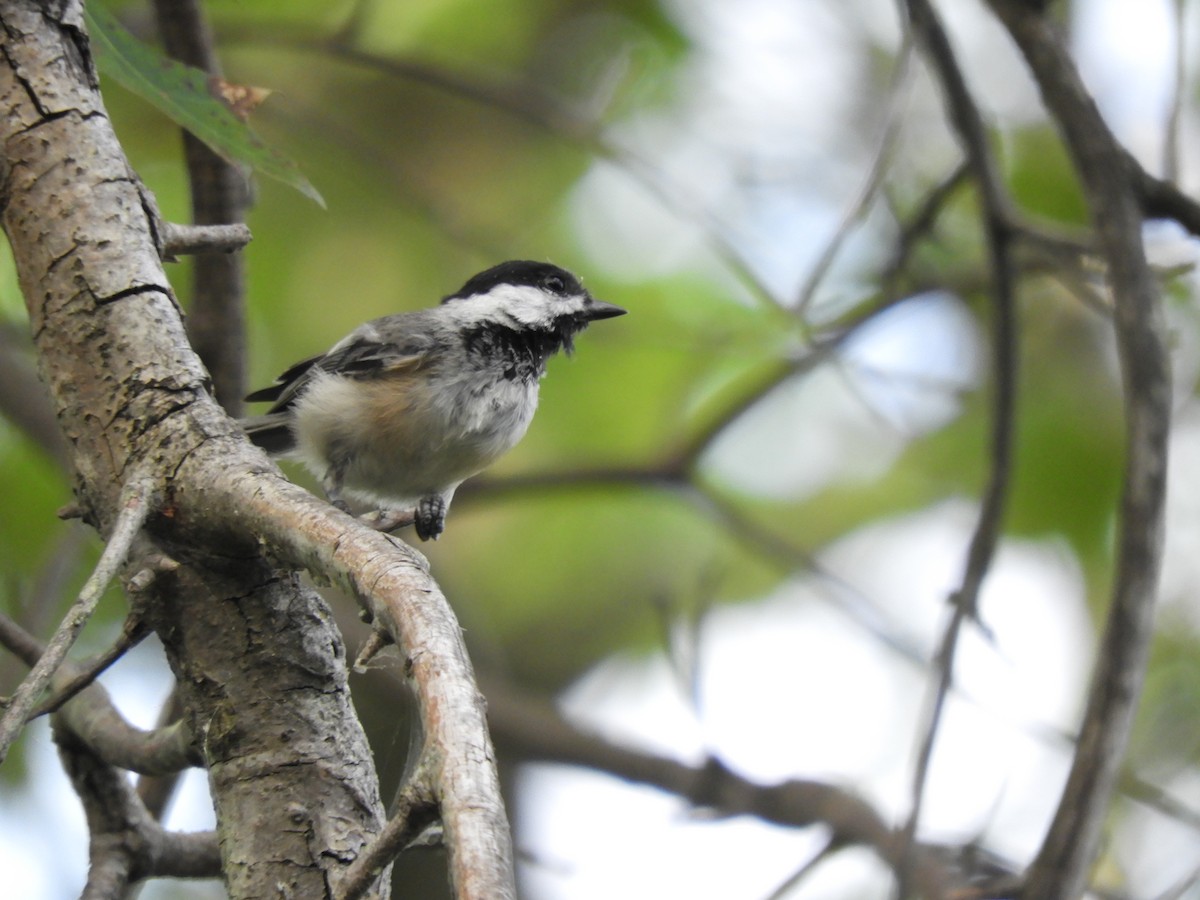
1140 790
1181 888
1163 200
94 719
185 240
59 566
1116 208
793 881
921 224
1170 150
760 384
132 634
972 134
414 810
20 642
392 582
135 506
220 196
126 844
537 729
861 205
98 724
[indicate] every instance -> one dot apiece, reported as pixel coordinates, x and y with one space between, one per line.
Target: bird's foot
430 517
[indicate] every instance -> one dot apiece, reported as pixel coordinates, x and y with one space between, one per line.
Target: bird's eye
554 284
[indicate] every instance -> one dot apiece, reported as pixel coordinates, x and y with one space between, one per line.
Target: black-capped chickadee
406 407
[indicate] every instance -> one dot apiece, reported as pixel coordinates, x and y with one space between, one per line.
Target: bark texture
260 664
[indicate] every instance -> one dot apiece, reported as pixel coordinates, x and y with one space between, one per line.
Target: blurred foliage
212 111
427 182
1041 177
434 130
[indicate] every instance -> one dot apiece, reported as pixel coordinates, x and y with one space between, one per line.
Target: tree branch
392 582
132 634
861 205
126 844
1163 200
540 732
921 224
972 134
136 502
183 240
95 721
220 196
1061 867
415 809
257 656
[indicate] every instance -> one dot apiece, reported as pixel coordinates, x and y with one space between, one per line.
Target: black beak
597 309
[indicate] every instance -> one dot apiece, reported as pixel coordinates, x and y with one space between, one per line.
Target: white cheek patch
527 305
519 304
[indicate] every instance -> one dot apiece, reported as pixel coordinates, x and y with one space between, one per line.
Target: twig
132 634
921 223
1180 889
135 507
1163 200
414 810
183 240
1170 150
536 728
1062 865
763 382
793 881
20 642
901 79
968 124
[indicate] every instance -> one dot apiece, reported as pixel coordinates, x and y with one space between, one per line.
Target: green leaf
185 95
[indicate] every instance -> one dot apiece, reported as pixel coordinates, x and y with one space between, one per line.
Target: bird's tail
272 432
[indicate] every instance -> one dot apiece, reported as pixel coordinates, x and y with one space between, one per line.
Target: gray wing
376 348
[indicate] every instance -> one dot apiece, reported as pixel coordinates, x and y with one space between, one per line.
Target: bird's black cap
522 272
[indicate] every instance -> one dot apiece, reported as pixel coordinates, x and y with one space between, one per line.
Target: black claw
430 517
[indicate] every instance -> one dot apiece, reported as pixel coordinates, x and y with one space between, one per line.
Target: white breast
402 441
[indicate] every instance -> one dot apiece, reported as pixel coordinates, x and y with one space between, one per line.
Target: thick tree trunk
260 663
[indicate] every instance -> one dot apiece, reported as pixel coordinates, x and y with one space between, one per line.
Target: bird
406 407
